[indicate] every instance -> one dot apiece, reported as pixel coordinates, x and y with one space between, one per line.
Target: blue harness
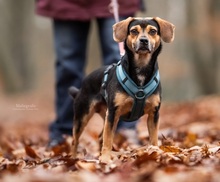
139 94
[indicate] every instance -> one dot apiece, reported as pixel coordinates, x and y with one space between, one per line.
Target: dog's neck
140 68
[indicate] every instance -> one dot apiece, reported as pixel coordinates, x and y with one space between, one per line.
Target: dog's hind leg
78 128
101 110
81 119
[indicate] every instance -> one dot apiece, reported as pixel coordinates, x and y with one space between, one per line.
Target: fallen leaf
90 166
190 140
172 149
31 153
145 158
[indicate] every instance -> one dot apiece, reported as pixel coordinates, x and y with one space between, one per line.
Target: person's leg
70 40
110 53
110 49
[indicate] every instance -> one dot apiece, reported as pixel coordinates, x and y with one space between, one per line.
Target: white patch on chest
141 77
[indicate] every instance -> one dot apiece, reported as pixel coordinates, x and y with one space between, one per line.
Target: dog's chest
140 76
141 79
125 102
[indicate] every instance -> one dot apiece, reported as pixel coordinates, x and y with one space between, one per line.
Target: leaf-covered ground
189 149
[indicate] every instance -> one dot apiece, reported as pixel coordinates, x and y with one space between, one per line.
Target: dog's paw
105 158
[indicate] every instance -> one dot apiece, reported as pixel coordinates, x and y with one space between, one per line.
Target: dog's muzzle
143 46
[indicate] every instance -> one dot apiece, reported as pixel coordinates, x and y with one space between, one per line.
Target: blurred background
190 66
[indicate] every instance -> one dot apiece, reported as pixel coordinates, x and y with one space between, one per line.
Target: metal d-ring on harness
139 94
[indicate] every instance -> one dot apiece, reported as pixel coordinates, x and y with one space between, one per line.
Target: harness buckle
140 94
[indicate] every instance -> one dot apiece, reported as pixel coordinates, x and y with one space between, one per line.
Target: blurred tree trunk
204 25
15 45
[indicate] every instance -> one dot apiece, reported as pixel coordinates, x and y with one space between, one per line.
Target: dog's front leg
153 125
110 125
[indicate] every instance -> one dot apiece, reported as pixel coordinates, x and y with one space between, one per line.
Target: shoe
55 142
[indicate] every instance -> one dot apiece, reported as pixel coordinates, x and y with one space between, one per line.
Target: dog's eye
134 32
152 32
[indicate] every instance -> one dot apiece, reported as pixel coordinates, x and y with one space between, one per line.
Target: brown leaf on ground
189 149
31 153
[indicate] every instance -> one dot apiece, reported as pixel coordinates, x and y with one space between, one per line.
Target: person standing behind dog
71 25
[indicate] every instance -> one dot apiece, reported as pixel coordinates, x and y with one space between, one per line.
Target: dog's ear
120 29
166 29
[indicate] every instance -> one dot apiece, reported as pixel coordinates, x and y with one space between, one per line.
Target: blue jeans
70 41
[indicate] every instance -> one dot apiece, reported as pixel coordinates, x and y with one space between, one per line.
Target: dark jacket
83 9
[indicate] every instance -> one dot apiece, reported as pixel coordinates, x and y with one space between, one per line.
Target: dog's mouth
143 49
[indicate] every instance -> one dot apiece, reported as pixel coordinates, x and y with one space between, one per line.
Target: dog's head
143 35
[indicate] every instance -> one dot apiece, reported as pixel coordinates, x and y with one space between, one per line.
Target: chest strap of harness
139 94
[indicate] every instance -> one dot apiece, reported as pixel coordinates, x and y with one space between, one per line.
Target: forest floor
189 146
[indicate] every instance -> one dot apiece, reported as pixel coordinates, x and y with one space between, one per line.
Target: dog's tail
73 91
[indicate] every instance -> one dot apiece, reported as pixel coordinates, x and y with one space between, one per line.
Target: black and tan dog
104 90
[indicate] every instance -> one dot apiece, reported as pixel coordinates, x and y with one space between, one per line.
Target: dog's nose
144 40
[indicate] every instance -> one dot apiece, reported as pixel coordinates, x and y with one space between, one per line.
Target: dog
119 91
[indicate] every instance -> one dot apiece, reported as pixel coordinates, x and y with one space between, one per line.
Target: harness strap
132 89
137 110
104 81
139 94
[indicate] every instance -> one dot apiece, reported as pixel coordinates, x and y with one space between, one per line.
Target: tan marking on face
133 42
154 39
